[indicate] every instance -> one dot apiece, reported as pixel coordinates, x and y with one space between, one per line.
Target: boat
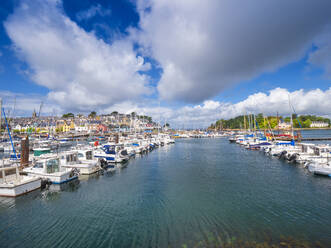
41 150
112 154
320 169
14 185
48 167
81 160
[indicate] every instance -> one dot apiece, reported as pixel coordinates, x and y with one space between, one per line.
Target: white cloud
315 102
93 11
321 57
18 104
80 70
206 47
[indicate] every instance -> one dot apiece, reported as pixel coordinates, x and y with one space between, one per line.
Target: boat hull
15 190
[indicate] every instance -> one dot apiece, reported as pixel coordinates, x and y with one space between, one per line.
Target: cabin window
89 155
52 166
80 155
38 165
71 157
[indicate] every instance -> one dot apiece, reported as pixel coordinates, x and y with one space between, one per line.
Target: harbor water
196 192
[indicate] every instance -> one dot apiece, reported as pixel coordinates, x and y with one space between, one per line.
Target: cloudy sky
186 62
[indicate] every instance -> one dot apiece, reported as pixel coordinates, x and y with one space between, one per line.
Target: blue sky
181 62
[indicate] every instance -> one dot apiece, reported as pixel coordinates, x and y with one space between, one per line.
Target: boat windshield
38 165
52 166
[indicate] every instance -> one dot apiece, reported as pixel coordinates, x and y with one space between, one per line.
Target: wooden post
299 136
25 152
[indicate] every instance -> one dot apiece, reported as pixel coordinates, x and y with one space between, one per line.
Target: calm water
196 190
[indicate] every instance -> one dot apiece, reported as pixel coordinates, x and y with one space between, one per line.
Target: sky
185 62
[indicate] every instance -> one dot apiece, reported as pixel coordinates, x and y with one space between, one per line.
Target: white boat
321 169
81 160
321 154
112 154
15 184
48 167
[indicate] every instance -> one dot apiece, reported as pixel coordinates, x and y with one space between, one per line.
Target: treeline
241 122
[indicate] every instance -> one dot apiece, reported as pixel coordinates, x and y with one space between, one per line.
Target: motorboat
112 153
48 167
14 184
81 160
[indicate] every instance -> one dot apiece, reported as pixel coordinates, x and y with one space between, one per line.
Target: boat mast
0 114
292 132
11 141
249 123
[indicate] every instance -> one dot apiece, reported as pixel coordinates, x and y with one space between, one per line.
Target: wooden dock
316 139
305 138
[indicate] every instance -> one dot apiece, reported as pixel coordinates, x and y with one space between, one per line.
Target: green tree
93 114
306 123
68 115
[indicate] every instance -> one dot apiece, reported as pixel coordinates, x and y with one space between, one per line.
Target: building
65 126
319 124
102 128
283 125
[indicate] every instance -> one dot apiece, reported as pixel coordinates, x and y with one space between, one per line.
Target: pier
305 138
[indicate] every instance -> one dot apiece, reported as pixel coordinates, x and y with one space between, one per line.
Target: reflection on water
53 191
196 193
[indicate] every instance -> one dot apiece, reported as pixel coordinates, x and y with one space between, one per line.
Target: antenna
41 106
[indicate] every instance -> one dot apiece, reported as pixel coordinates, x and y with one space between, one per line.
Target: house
102 128
65 125
319 124
18 127
283 125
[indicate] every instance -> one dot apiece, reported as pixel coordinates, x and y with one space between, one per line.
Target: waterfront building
283 125
319 124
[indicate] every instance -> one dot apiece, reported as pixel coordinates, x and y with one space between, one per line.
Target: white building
284 125
81 128
319 124
18 127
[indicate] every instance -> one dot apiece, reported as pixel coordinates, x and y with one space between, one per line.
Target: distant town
91 123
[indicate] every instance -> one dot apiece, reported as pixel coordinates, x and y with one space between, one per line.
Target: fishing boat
81 160
13 185
48 167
